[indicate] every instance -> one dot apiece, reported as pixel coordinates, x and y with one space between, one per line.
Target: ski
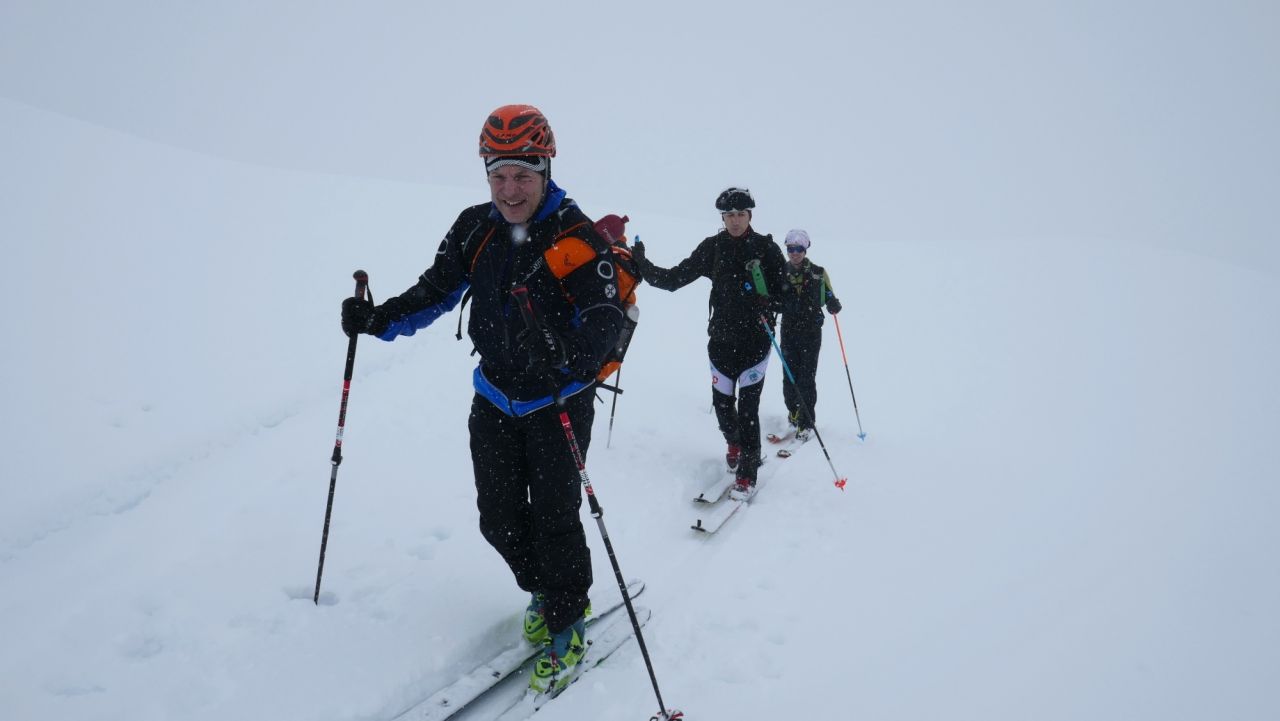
711 521
453 698
793 445
775 439
717 488
611 634
715 491
718 514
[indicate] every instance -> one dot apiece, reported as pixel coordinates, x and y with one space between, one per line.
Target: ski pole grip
523 302
362 283
757 275
534 324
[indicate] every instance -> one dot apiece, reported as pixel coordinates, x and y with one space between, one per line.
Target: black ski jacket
735 307
805 290
570 275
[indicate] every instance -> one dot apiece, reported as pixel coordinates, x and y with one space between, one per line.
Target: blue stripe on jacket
415 322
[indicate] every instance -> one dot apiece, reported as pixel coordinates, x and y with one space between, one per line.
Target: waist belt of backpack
519 408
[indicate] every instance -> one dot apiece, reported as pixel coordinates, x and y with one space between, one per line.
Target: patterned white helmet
797 237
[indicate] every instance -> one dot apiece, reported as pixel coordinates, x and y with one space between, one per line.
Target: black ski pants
800 348
741 361
529 494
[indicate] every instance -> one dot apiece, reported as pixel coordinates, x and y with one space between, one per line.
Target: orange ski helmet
517 130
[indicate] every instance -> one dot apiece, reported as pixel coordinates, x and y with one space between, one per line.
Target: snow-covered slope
1062 509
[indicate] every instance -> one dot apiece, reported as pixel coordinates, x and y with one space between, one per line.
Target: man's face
736 221
517 192
795 254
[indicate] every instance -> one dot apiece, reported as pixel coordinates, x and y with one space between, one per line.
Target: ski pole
840 336
804 402
631 319
614 409
362 285
534 324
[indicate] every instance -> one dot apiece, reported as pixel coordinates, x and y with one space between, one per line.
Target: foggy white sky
1062 121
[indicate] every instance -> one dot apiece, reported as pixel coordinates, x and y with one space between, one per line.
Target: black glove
634 266
361 316
768 303
546 350
833 306
637 251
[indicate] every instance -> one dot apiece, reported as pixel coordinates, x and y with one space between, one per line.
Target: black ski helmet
735 199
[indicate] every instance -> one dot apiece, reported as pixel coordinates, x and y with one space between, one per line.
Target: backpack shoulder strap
624 269
474 257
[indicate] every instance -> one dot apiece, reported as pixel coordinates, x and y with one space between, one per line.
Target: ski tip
784 453
840 483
